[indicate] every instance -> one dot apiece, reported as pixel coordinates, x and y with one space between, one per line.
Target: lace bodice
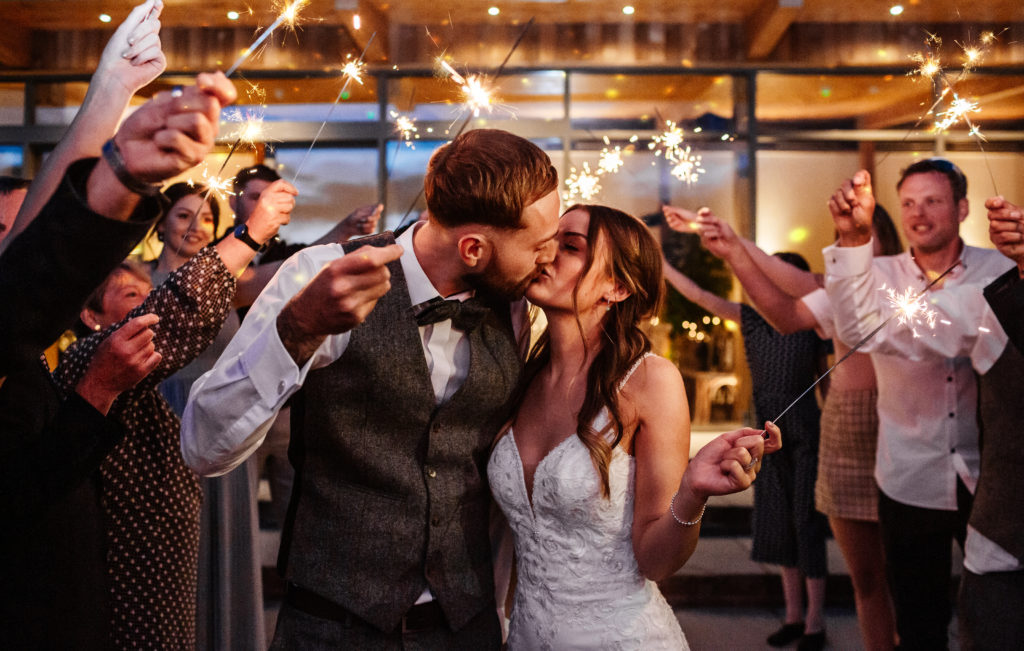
578 585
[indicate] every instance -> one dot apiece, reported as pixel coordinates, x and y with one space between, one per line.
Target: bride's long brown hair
634 261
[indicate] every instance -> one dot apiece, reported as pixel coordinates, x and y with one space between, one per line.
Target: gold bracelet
685 523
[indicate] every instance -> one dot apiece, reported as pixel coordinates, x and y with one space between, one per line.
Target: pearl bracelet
685 523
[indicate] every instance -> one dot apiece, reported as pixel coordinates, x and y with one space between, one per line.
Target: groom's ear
475 249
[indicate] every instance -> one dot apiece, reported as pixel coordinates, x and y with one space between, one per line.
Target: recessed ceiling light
494 11
896 10
628 10
104 18
232 15
357 22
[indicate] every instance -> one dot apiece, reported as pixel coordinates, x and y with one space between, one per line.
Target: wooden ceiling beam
768 24
16 47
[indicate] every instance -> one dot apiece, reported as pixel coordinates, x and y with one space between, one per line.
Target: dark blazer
998 502
51 533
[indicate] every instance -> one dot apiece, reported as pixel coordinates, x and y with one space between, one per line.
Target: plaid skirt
846 485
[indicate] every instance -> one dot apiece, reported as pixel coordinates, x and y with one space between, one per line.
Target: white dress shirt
927 395
232 406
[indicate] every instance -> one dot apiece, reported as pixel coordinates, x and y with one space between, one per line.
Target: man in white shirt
386 537
928 456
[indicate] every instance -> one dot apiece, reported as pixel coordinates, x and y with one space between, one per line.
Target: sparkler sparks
476 93
405 127
911 309
289 16
582 183
668 142
687 167
611 159
222 187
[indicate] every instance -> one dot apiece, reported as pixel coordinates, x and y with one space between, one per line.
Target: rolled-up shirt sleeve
962 324
232 406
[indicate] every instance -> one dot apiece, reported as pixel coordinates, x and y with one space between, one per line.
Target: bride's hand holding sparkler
852 207
1006 229
730 462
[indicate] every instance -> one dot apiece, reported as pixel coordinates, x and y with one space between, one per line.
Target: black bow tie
465 315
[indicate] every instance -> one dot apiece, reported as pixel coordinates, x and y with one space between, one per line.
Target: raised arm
670 490
131 59
691 290
784 312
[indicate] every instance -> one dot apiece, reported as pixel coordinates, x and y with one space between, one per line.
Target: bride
592 473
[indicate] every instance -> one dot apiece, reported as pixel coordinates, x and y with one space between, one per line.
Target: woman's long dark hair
634 261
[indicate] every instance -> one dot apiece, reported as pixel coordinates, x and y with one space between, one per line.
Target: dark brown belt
419 618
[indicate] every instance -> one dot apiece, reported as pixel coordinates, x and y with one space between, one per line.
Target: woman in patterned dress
150 498
792 300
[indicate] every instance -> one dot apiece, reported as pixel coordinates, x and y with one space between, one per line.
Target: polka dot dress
787 529
150 497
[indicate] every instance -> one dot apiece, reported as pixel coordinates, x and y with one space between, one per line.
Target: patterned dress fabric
578 584
787 529
846 485
150 497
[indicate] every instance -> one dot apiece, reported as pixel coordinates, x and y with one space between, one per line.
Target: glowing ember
405 127
582 183
688 167
911 309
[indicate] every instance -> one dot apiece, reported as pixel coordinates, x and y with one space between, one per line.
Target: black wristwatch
242 233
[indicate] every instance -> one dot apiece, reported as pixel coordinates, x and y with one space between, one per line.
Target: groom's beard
493 282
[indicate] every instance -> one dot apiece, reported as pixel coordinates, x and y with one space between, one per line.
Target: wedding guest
928 458
150 498
791 300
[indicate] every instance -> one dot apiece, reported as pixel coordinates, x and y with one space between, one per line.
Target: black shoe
812 641
788 634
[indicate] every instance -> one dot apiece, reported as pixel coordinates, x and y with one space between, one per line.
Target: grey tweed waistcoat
390 491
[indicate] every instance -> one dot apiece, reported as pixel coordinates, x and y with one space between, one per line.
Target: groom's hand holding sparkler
1006 229
852 207
336 300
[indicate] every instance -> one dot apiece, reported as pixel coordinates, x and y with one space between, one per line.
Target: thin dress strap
633 368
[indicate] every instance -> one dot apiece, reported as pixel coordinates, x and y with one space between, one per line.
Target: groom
399 394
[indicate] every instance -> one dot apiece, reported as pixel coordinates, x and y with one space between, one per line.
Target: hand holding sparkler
336 300
361 221
852 207
1006 229
717 236
679 219
730 462
274 209
175 130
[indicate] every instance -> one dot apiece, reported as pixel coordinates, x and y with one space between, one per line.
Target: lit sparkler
611 159
911 309
351 71
668 142
288 16
582 183
908 307
476 93
221 187
405 127
688 166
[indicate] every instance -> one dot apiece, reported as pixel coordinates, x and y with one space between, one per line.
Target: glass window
649 99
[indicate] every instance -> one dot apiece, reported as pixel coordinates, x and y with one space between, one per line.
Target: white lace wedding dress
578 586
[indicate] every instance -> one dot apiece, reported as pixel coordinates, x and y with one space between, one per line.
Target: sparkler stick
288 14
352 71
899 313
465 123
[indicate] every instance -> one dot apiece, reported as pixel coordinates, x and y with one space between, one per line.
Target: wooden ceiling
785 38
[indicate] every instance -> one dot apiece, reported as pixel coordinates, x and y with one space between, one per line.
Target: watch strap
242 234
112 154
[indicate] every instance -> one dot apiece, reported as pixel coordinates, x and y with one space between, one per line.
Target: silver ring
753 462
177 91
